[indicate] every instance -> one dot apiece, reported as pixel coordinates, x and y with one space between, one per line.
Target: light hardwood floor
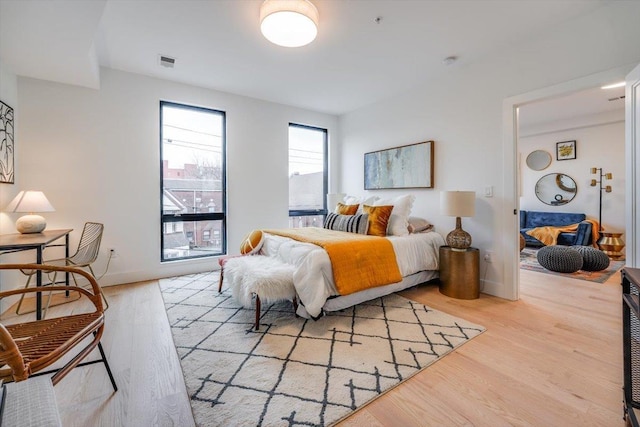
554 358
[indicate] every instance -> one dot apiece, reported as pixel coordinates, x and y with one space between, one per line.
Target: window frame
325 178
202 216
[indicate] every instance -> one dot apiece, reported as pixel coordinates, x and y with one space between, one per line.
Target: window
307 176
192 180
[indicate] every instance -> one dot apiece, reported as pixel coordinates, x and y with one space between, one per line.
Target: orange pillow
252 242
342 209
378 219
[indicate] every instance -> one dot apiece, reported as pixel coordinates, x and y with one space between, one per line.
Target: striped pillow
349 223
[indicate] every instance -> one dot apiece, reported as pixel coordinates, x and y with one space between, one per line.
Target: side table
611 244
460 273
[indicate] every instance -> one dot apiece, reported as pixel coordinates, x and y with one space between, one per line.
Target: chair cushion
562 259
593 259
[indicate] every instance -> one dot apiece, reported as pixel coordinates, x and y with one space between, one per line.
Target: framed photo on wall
566 150
6 144
409 166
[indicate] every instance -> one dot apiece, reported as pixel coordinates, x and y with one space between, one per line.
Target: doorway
511 177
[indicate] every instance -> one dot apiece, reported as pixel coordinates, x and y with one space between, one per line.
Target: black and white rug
297 372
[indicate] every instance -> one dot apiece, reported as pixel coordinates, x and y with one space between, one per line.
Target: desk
17 242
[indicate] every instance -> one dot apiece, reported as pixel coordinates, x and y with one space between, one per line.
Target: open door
632 155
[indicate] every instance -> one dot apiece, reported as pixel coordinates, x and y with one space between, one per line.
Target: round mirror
538 160
556 189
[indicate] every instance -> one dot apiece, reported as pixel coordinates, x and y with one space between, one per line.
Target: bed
416 255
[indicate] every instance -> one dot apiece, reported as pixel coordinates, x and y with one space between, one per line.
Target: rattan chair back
27 348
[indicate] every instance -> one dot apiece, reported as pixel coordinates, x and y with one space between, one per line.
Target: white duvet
313 277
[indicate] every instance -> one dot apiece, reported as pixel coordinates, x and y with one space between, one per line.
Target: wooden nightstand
460 273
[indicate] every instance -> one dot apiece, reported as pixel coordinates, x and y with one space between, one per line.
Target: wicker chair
26 349
86 254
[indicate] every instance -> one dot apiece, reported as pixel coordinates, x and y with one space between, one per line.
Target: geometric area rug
529 261
295 371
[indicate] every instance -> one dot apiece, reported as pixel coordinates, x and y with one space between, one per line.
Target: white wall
462 112
599 143
95 154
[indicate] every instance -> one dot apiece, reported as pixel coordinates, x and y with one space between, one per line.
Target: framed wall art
6 144
409 166
566 150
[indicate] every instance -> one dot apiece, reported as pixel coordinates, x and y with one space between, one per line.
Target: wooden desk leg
39 284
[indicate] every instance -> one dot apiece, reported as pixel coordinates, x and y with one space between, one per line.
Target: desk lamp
30 201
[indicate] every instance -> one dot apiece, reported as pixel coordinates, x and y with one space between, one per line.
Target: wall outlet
488 257
113 253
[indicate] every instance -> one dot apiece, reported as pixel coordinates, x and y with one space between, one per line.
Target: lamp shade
30 201
289 23
458 203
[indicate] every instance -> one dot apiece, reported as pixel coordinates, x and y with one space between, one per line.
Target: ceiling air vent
167 61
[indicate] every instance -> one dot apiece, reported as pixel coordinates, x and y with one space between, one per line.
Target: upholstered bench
259 277
251 244
561 259
29 403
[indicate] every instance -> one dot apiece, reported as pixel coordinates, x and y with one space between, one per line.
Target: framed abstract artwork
566 150
408 166
6 144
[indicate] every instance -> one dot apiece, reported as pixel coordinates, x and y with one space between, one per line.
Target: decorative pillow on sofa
378 219
252 242
349 223
342 209
398 222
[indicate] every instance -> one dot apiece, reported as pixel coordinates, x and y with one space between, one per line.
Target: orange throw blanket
549 235
358 261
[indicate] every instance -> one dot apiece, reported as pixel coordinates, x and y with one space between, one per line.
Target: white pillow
362 200
399 220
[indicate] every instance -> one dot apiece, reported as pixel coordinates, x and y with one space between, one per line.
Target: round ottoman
562 259
593 259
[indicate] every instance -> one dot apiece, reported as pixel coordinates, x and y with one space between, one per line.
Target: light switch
488 191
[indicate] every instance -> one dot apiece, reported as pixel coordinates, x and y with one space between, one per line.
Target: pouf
593 259
561 259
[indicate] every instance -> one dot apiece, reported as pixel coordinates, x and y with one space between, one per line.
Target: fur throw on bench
267 277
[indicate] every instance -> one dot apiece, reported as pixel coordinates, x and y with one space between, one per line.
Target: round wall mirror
538 160
556 189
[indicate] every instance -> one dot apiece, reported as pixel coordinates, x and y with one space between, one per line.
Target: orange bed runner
358 261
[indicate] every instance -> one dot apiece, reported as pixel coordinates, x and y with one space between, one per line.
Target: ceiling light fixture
613 86
289 23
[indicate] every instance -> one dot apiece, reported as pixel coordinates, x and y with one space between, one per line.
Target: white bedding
313 277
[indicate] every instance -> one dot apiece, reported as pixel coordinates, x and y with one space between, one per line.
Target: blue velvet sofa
533 219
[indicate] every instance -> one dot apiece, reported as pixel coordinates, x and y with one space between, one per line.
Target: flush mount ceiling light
289 23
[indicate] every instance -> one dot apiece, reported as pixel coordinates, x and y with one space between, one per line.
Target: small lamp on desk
458 204
30 202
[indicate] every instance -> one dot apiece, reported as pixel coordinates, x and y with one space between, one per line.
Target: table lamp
30 201
458 204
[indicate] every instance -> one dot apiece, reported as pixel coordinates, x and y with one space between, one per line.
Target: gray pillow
349 223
